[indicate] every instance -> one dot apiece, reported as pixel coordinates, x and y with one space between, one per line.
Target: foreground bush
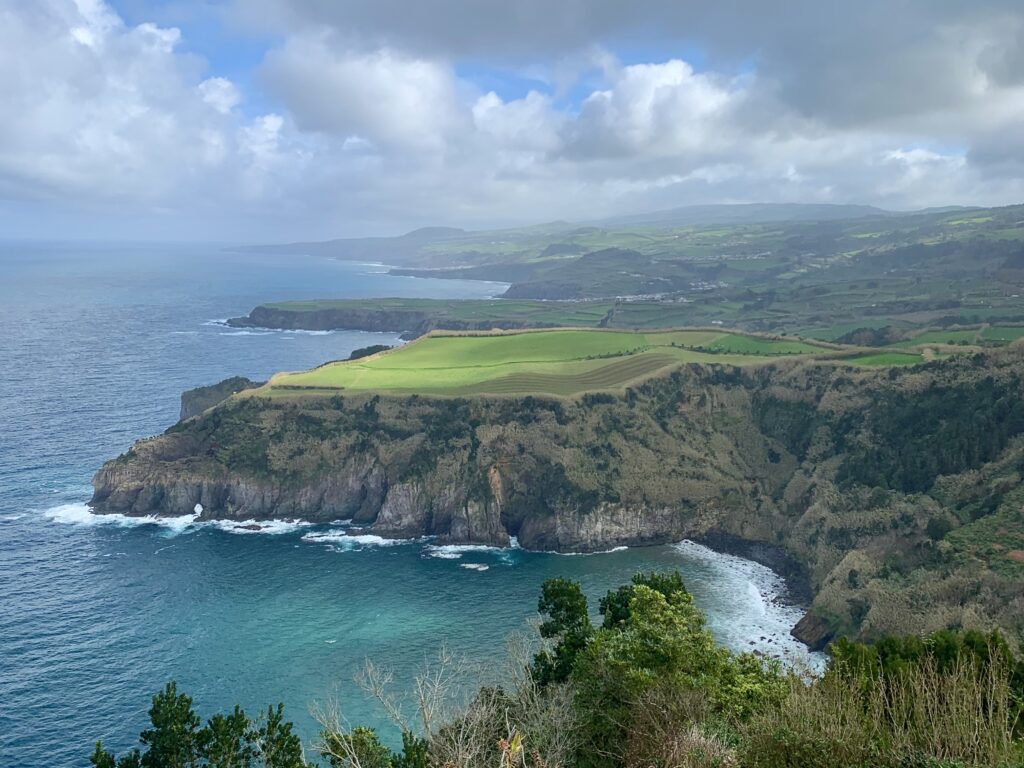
647 688
963 715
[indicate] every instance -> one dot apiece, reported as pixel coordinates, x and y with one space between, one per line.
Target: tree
663 647
564 605
615 605
359 748
226 741
102 759
276 743
176 738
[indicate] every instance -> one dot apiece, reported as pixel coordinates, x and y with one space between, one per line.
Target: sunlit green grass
561 362
1003 334
940 337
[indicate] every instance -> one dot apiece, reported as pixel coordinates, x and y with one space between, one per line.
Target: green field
1002 334
558 362
732 343
940 337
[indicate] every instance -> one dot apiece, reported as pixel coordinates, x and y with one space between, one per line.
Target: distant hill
502 254
402 249
408 249
748 213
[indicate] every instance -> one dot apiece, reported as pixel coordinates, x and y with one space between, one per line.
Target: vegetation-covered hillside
947 277
896 488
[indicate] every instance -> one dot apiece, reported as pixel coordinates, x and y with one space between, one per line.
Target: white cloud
220 93
391 100
105 117
377 126
655 109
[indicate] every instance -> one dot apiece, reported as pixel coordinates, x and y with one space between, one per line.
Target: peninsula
888 479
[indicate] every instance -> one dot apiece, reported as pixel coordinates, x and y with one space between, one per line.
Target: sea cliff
878 485
409 322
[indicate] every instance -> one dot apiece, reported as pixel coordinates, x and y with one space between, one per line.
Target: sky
274 120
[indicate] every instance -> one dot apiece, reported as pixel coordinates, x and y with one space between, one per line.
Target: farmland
558 362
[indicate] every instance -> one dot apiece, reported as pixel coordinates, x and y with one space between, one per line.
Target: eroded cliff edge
886 486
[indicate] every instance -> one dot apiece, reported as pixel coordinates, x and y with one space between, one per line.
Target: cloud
117 121
384 116
219 93
387 98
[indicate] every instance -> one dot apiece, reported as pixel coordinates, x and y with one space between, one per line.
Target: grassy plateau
557 362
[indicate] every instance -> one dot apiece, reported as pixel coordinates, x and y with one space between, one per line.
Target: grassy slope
562 362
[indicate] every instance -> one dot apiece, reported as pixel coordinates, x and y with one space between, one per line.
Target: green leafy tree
102 759
662 644
276 742
176 738
615 605
226 741
359 748
415 752
564 607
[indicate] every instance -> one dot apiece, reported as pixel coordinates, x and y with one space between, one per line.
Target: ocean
97 341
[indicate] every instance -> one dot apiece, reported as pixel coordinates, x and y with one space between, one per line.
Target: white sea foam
271 527
475 566
352 541
80 514
751 612
587 554
456 551
11 518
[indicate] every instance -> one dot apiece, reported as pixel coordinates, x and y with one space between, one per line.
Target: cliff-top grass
557 362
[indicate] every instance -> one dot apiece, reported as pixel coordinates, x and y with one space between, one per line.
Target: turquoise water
97 613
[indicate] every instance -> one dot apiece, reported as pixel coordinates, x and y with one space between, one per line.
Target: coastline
796 590
793 573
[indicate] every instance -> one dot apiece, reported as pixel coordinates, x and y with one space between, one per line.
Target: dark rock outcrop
813 631
410 323
195 401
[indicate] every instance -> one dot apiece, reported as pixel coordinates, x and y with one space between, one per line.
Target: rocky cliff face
841 472
409 323
195 401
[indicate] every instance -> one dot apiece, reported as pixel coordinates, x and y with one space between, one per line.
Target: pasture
556 362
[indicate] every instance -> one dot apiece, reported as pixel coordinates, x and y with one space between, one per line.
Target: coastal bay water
98 342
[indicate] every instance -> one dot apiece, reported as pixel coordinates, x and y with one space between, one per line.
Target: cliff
895 492
195 401
409 322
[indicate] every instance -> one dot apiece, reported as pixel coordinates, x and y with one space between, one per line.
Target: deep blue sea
96 344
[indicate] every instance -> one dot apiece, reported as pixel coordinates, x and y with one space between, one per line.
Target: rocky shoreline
409 323
762 462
